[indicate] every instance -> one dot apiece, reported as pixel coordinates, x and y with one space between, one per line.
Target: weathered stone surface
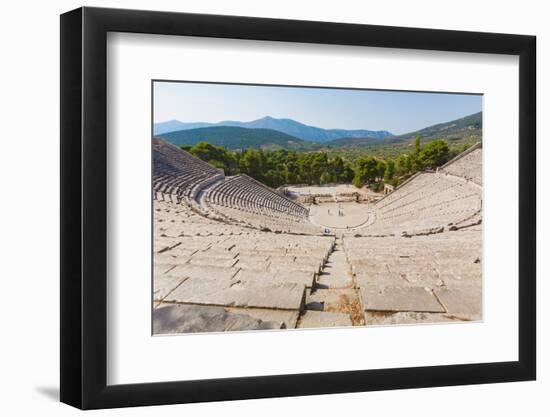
162 244
287 296
286 267
273 277
164 285
212 261
252 264
216 253
399 299
180 252
334 280
463 301
419 278
169 258
205 272
385 318
178 318
161 268
380 279
329 299
365 266
287 318
311 319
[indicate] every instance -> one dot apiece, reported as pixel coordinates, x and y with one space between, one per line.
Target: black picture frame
84 207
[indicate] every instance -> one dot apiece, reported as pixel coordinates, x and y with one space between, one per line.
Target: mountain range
233 137
241 135
454 130
288 126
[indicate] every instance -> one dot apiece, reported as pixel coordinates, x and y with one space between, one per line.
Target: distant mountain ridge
288 126
465 130
468 127
238 138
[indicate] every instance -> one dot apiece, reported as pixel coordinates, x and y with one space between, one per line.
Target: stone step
333 300
312 319
179 318
231 293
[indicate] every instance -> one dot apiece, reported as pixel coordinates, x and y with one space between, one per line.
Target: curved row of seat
432 200
181 178
243 192
176 172
468 165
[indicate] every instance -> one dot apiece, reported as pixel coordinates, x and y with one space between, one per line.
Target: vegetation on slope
237 138
283 166
464 131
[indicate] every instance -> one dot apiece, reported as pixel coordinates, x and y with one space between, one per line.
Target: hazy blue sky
397 112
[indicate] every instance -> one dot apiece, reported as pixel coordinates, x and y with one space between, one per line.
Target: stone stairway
334 300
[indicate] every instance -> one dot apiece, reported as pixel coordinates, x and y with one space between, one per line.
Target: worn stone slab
309 261
287 318
463 301
252 264
178 318
274 266
406 268
329 299
204 272
288 296
253 258
163 244
160 268
213 261
168 258
385 318
452 280
216 253
366 266
296 277
380 279
334 280
164 285
313 319
180 251
399 299
426 278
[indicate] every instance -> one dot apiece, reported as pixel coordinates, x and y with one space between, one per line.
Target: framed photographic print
257 208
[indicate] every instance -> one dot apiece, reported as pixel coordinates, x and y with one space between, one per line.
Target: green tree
390 170
336 168
434 154
366 171
417 146
404 164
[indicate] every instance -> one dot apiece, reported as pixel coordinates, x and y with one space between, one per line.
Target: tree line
276 168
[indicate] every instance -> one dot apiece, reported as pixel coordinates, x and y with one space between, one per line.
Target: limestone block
212 261
463 301
335 280
288 296
177 318
218 253
204 272
365 266
329 299
164 285
287 318
168 258
312 319
399 299
385 318
252 264
287 267
296 277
